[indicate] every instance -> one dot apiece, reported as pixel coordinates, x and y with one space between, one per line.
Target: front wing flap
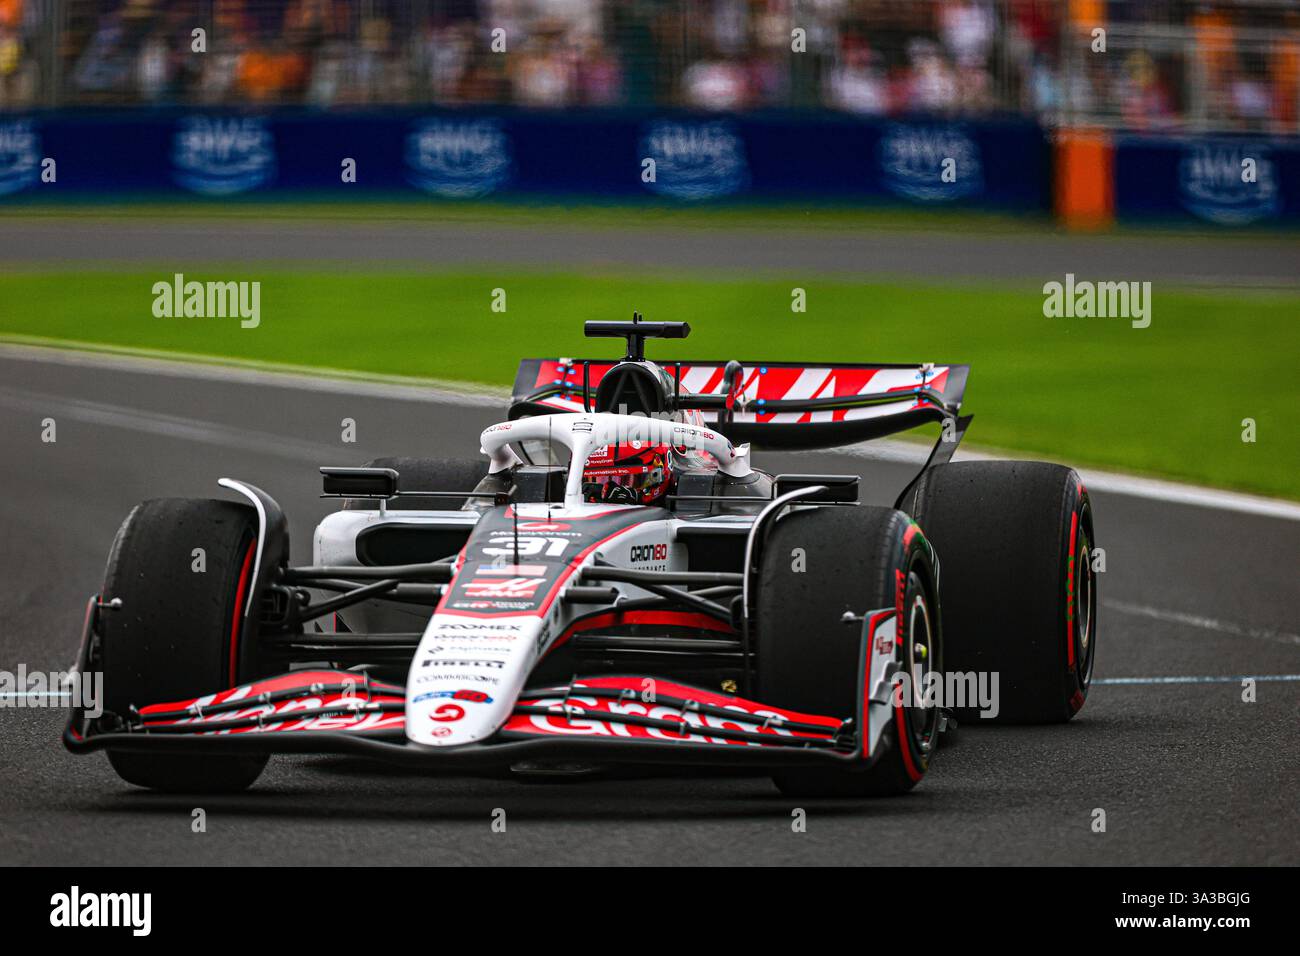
614 719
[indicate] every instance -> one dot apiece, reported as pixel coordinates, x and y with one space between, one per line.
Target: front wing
606 719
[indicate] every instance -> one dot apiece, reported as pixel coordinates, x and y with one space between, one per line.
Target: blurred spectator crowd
1167 64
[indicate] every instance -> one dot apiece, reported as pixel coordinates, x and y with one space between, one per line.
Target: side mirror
839 488
359 482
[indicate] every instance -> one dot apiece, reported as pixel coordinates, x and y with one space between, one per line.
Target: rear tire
809 658
179 633
1019 596
426 474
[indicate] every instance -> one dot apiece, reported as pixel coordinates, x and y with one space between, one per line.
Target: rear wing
774 404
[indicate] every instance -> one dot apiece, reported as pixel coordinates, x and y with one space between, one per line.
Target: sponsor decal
498 628
491 605
476 643
524 570
912 158
447 713
458 158
580 715
505 544
466 676
1211 186
468 696
473 647
695 160
544 526
220 156
649 552
20 156
504 588
281 715
462 662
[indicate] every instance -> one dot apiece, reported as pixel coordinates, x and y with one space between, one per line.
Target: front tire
179 632
854 559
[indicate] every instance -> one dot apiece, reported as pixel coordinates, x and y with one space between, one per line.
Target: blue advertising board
1224 180
465 154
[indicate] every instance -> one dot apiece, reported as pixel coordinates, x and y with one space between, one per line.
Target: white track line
170 426
1204 623
1129 485
212 368
1137 681
442 392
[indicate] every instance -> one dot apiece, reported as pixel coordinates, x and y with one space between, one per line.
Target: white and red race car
612 582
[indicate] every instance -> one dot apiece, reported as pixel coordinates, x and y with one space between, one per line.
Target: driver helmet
632 472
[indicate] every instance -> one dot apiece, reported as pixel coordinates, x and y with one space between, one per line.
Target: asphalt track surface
405 246
1186 772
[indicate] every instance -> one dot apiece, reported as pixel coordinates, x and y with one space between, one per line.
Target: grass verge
1168 400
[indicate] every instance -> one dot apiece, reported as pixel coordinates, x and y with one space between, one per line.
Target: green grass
1167 400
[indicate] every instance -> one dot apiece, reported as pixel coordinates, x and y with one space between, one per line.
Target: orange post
1085 179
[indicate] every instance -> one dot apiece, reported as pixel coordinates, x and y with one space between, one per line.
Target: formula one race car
613 583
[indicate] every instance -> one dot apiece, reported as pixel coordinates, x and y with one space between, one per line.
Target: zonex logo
77 909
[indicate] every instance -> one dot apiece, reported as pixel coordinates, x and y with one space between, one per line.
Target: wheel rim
1084 601
920 662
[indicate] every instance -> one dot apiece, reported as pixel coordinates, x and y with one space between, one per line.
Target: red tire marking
904 745
1069 585
237 617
